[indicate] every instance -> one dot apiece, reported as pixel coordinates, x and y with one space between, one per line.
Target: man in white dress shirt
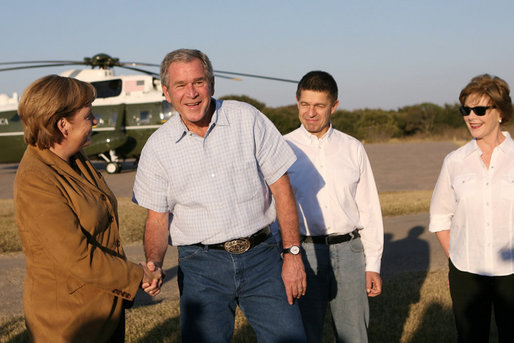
340 216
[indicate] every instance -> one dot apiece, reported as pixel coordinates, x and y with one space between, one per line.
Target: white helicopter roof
111 89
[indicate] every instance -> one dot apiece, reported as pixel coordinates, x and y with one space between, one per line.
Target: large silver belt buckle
237 246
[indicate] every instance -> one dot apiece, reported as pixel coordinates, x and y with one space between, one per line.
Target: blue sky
383 54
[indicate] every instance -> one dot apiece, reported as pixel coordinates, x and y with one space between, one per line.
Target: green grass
9 239
404 202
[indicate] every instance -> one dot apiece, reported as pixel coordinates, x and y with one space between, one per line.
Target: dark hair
493 87
185 55
46 101
319 81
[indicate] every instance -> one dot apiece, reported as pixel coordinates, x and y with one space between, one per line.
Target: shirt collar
179 129
309 137
506 146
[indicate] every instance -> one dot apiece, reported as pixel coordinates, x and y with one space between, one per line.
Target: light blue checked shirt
216 187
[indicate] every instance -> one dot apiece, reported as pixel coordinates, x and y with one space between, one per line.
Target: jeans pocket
356 245
188 252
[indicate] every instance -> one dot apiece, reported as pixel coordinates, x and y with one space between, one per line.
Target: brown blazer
76 271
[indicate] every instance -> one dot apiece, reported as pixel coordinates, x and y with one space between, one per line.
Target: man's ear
334 106
165 92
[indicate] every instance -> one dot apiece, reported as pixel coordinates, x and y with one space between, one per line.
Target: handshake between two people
153 277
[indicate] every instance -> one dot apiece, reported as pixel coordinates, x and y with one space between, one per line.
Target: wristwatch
293 249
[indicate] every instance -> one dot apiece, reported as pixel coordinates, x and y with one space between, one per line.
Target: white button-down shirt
335 189
477 205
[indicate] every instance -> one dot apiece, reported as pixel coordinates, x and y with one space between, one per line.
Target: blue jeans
213 282
335 275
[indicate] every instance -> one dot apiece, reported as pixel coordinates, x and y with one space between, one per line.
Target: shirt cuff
440 222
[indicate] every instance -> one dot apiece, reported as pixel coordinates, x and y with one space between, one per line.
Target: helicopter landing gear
113 168
113 165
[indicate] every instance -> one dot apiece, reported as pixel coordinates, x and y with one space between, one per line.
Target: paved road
397 166
408 245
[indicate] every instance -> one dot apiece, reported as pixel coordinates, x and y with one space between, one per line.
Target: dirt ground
408 246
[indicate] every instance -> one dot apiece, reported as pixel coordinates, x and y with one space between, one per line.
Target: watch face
295 250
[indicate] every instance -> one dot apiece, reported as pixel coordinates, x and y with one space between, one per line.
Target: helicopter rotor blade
139 70
256 76
217 72
40 62
133 64
42 66
228 77
105 61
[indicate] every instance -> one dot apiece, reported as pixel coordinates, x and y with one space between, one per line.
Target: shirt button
487 183
213 175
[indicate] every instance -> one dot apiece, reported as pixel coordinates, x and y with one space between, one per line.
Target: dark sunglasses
479 110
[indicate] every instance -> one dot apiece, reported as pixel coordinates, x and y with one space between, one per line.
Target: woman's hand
152 278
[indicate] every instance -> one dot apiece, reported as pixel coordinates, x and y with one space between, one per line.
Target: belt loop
327 240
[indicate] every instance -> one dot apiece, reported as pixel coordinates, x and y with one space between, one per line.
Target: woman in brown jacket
77 276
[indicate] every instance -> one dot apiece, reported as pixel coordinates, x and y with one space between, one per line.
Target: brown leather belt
332 239
240 245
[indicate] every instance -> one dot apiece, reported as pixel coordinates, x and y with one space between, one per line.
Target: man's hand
152 278
293 275
373 284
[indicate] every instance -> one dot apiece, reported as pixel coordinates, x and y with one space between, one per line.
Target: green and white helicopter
129 108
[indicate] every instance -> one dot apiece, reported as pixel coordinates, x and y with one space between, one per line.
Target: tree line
375 125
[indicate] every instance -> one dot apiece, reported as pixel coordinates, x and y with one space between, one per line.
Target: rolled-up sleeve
443 203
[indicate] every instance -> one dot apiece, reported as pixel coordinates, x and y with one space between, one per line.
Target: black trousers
474 296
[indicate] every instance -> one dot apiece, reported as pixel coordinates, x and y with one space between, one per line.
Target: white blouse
477 205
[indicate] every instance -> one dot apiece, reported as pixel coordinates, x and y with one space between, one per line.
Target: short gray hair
185 55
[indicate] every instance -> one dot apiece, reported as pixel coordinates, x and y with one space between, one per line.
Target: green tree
285 118
376 125
420 118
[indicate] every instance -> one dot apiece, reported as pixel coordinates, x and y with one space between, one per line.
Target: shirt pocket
507 187
246 181
464 185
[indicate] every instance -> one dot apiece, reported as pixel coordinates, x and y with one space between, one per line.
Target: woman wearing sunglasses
472 213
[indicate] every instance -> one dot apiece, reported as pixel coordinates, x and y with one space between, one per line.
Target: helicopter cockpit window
167 111
106 119
107 89
144 117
